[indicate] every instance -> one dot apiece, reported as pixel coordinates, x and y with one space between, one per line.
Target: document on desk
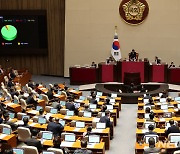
144 131
33 112
91 145
96 119
20 122
162 119
66 144
9 104
97 130
76 129
2 136
56 95
48 115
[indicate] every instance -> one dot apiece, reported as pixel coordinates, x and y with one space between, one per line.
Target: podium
132 78
83 75
174 75
140 67
158 72
107 72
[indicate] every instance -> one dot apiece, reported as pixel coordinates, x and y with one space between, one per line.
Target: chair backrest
19 115
29 90
35 119
6 79
4 125
73 123
63 111
174 137
50 85
80 114
55 150
45 98
30 150
63 135
48 108
23 133
16 98
23 104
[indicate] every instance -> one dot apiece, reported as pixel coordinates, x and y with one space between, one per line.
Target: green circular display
9 32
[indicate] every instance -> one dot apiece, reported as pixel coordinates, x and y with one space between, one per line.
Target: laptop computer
18 151
62 103
70 113
41 120
100 125
80 124
62 122
11 115
92 106
53 111
94 139
47 135
87 114
6 131
70 138
38 108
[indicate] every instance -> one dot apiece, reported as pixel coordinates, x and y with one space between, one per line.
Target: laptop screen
164 106
97 98
112 100
47 135
40 97
100 125
82 98
38 108
11 115
98 93
146 101
63 103
87 114
177 98
25 116
41 120
174 138
80 124
15 101
94 139
162 100
146 115
149 136
62 122
59 92
6 131
70 113
47 152
113 95
18 151
53 111
92 106
70 138
146 124
109 107
77 105
167 115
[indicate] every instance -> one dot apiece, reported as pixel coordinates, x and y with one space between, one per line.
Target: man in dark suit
132 55
93 99
6 121
55 127
83 149
172 128
30 100
150 132
33 140
106 119
152 148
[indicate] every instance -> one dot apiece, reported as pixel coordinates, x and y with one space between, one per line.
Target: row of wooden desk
160 126
115 72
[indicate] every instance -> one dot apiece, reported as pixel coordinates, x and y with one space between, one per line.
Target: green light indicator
9 32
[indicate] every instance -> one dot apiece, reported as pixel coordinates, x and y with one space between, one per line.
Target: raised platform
130 98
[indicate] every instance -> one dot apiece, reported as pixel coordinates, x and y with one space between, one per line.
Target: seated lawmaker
93 99
132 55
152 148
172 65
83 149
55 127
33 141
93 64
157 60
172 129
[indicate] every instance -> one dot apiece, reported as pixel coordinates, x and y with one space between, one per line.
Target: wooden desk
104 133
13 107
98 148
139 148
10 139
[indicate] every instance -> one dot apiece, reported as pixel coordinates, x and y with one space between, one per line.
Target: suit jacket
55 128
34 142
172 129
70 106
151 150
106 120
93 101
